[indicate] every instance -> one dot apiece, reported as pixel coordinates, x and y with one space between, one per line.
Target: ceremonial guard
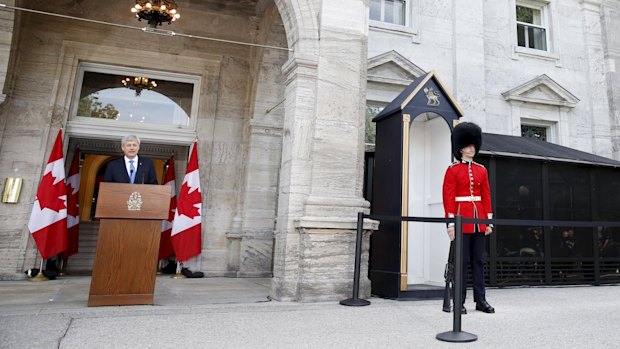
466 192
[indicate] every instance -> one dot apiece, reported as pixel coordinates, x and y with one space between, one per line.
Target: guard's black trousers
473 253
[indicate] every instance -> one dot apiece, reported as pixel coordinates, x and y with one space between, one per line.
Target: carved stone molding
542 90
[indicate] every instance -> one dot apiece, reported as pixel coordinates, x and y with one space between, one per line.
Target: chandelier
155 12
138 84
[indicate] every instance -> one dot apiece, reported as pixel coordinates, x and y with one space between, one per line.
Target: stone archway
321 172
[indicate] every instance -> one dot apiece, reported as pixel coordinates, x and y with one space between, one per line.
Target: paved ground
236 313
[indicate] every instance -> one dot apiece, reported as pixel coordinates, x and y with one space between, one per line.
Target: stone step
87 246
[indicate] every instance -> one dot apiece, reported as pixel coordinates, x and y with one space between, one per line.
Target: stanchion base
456 337
352 302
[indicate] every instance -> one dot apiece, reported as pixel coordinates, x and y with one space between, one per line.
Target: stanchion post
456 335
355 301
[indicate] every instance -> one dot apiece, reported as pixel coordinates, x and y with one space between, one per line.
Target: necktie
132 172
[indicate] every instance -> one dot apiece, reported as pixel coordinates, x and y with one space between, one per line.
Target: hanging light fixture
155 12
138 84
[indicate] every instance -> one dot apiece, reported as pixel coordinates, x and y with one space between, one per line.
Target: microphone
130 175
142 174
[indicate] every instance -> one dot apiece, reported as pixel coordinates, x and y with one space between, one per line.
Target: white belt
467 198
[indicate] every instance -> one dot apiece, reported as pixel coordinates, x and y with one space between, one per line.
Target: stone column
597 84
256 247
611 44
322 160
264 151
295 172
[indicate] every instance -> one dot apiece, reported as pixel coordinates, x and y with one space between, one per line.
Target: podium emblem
135 202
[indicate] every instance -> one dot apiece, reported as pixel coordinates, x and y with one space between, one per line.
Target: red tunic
466 192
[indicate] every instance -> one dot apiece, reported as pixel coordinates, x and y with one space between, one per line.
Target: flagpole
40 276
63 262
178 275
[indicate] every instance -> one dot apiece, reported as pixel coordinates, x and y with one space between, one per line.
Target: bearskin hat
464 134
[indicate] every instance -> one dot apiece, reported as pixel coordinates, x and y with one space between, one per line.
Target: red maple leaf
49 193
187 200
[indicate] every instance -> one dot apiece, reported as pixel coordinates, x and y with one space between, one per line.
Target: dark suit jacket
117 172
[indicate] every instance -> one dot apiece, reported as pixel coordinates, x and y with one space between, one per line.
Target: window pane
537 17
529 15
538 39
145 101
371 128
538 132
395 11
375 10
521 35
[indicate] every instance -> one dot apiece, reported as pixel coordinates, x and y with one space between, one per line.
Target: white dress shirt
127 166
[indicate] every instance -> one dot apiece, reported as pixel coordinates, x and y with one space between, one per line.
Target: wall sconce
12 188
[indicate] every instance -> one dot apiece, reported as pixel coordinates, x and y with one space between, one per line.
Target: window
532 29
531 131
123 97
389 11
372 109
540 127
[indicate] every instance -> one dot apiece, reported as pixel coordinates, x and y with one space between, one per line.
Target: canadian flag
186 228
165 244
73 205
48 220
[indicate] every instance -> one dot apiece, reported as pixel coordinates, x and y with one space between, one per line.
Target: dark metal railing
456 335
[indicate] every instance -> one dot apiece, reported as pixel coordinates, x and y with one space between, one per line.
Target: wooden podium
128 244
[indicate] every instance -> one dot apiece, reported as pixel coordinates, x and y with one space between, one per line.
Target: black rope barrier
496 221
456 335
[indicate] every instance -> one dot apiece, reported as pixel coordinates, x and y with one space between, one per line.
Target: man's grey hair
130 138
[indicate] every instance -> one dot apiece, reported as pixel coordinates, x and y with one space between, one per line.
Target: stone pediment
393 68
542 90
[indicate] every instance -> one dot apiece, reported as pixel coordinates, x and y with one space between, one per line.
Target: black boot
484 306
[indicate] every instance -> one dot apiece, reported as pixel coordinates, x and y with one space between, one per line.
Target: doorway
427 243
94 156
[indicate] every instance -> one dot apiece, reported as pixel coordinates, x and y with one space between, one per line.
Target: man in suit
131 168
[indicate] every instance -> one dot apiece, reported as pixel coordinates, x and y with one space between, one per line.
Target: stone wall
47 55
473 48
611 26
280 132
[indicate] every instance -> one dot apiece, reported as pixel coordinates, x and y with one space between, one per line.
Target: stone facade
610 15
281 130
473 47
